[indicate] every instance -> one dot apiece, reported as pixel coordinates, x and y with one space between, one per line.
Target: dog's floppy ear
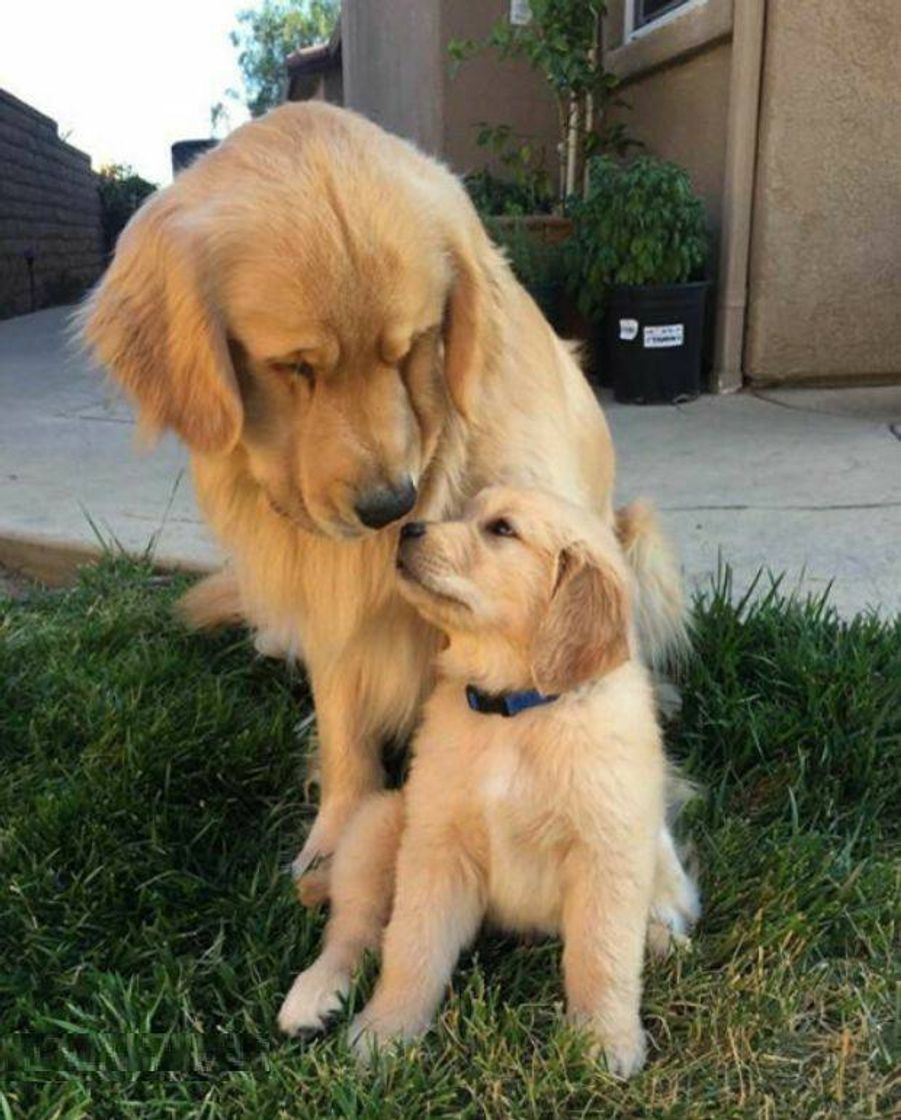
584 633
152 322
469 321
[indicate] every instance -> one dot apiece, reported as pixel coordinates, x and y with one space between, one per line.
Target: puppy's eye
500 527
296 369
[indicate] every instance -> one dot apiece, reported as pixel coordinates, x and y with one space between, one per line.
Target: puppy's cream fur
553 820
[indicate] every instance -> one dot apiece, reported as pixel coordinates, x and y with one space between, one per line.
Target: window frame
635 30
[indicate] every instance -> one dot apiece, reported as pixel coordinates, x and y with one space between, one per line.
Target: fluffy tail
213 601
660 604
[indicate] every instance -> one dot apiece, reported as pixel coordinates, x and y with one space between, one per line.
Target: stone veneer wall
49 205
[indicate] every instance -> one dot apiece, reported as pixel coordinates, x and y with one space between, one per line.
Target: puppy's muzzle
380 507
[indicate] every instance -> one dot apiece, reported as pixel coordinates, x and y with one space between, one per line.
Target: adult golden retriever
315 308
552 820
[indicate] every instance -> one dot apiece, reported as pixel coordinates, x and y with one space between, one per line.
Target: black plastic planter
653 340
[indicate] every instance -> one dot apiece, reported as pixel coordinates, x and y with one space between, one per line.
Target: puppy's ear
469 321
584 634
152 322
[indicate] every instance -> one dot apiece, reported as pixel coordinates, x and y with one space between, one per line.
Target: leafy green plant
536 263
527 187
563 40
122 190
640 223
495 197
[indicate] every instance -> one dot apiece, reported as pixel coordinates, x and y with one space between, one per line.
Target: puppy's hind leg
362 886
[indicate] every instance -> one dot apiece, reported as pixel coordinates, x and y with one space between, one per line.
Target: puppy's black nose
412 529
380 507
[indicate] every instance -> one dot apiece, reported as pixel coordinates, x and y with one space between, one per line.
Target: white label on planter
656 338
520 13
628 329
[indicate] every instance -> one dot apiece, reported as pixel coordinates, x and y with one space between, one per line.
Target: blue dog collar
505 703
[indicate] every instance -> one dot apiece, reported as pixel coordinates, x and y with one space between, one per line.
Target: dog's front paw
315 997
313 886
314 858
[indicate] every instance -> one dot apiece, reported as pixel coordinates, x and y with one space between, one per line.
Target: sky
123 79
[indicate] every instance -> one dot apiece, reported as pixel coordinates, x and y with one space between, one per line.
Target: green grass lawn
150 800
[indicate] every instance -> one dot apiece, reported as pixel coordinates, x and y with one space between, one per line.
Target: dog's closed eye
500 527
295 369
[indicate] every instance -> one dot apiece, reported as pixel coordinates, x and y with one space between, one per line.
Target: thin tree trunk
593 118
561 152
572 145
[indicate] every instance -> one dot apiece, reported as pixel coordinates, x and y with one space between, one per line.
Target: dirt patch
13 585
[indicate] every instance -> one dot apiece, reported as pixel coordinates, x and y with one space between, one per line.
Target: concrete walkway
806 482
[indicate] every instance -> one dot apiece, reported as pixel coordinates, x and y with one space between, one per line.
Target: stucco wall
826 244
390 64
398 72
675 76
49 204
486 89
680 113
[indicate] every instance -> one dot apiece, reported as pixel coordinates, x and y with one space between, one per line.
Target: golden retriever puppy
538 784
316 309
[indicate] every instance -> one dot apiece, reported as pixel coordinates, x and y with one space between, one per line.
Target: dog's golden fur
552 821
315 308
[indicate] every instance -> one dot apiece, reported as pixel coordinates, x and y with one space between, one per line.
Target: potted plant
637 255
523 188
562 39
539 263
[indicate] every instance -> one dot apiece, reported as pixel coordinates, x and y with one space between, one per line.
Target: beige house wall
677 78
826 244
786 114
390 72
679 112
486 90
397 71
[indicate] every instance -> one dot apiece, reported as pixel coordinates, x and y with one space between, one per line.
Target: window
646 11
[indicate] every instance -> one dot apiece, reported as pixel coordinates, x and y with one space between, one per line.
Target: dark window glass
646 10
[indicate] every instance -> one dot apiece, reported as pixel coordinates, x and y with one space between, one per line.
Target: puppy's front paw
370 1034
625 1055
316 995
624 1048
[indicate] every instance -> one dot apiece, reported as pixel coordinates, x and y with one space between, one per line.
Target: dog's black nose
380 507
412 529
